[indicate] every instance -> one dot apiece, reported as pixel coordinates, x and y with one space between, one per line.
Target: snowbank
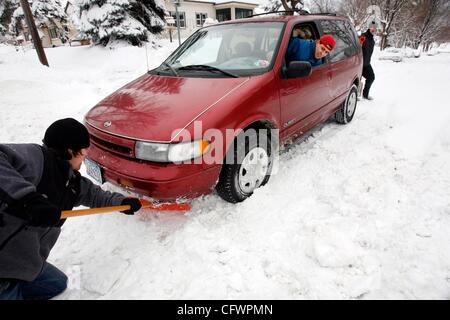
444 48
356 212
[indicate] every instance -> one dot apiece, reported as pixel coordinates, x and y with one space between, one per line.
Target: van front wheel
250 167
347 110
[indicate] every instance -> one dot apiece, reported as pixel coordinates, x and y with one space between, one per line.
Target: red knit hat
328 41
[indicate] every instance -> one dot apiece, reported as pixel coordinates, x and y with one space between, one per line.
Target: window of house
345 42
53 33
200 19
223 14
182 18
243 13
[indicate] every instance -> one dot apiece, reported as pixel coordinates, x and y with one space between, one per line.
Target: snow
256 2
444 48
397 54
360 211
393 56
109 21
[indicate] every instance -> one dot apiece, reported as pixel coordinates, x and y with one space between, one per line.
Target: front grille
112 146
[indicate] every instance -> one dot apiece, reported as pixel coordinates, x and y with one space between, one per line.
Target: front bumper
164 181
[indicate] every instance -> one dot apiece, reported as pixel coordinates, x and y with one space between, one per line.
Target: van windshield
228 50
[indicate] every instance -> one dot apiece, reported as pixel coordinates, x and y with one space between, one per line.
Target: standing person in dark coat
36 184
368 43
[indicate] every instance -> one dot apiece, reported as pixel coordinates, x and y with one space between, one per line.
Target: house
193 13
53 32
74 36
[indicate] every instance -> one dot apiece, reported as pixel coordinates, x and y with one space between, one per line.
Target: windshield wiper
171 68
204 67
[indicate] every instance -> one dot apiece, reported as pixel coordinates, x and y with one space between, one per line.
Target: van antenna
146 54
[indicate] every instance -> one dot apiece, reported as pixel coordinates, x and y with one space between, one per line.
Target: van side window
354 35
304 31
307 31
345 41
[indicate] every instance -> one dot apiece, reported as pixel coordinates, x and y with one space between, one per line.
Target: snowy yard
355 211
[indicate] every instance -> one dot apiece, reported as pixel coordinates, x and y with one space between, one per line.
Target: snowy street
360 211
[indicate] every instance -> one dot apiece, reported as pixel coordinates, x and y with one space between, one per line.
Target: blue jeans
50 282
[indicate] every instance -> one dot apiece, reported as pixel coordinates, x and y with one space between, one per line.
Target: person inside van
302 32
312 51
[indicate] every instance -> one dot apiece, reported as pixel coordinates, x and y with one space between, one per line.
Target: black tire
344 115
228 186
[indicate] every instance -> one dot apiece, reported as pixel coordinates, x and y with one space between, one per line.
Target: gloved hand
37 210
134 203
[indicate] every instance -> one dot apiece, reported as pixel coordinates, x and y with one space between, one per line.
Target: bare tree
389 10
287 5
401 22
356 11
404 29
323 6
432 18
442 37
420 23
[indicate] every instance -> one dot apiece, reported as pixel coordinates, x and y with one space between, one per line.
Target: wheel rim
253 169
351 104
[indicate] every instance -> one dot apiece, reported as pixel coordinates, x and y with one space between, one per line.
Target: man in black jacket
36 184
368 44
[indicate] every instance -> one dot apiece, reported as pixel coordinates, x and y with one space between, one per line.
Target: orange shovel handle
145 205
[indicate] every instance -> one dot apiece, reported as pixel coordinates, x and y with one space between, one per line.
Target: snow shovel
145 205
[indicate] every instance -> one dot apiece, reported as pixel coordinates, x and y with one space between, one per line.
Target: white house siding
45 39
190 8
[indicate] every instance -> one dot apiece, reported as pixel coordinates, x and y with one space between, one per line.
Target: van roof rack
300 12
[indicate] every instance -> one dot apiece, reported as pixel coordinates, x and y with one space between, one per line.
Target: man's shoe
368 97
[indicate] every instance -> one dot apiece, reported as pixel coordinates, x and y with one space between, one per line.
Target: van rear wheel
250 167
347 110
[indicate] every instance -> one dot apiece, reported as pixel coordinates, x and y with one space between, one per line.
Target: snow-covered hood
153 107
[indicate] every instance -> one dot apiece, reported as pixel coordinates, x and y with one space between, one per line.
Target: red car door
341 74
301 98
343 58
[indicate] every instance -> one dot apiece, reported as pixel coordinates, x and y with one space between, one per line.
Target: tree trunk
34 33
286 7
384 36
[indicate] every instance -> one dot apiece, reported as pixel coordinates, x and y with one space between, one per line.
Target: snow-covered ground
356 211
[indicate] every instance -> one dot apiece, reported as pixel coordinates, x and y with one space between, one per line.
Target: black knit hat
66 134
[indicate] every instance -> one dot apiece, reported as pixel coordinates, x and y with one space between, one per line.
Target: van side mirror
298 69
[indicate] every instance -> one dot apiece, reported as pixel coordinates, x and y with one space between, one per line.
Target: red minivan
225 94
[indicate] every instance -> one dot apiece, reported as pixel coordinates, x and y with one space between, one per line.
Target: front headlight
152 151
184 151
173 152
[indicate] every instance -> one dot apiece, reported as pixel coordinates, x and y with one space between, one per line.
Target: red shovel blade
165 206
